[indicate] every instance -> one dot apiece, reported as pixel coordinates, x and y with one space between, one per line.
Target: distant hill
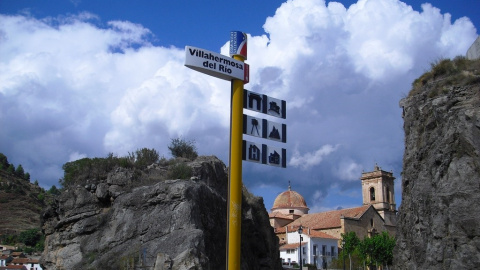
21 203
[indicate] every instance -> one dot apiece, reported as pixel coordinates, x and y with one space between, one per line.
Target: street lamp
343 251
300 231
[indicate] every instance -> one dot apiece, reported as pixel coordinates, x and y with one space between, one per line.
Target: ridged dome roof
289 199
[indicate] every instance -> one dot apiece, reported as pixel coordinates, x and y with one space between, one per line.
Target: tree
3 162
29 237
53 190
182 148
11 169
377 249
20 172
27 177
384 245
351 241
144 157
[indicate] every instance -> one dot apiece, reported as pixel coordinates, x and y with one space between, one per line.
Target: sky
86 78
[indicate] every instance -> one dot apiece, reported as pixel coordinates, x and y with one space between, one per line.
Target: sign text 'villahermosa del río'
215 64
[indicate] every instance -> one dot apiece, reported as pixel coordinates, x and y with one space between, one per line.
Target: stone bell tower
378 190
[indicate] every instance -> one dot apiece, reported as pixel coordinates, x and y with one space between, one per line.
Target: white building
317 248
30 264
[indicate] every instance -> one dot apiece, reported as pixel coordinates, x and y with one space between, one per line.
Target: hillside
438 223
21 204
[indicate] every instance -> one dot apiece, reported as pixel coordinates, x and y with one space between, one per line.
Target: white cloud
76 156
310 159
71 88
348 170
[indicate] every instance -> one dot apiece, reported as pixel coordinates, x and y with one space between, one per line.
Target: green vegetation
180 171
182 148
98 168
79 171
32 240
446 72
376 250
10 168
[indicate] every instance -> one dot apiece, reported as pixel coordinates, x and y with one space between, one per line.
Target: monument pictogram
264 104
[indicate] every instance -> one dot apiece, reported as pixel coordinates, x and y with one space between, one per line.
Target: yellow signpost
238 49
237 72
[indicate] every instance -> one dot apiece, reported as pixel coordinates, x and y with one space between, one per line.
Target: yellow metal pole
235 176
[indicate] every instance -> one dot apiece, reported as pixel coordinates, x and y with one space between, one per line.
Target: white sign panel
214 64
264 104
276 156
264 154
263 128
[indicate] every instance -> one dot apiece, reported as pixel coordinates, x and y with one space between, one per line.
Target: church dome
289 200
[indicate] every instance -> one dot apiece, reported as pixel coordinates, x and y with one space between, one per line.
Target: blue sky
85 78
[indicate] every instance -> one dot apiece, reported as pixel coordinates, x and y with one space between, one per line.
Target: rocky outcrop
170 224
438 222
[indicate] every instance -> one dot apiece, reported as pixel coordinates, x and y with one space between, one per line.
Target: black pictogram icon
274 158
274 134
274 107
254 97
254 125
254 152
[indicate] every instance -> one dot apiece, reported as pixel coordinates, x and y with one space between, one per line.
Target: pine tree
20 172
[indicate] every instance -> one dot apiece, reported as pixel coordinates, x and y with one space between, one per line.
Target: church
320 233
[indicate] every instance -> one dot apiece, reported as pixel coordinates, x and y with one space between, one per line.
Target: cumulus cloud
312 158
73 87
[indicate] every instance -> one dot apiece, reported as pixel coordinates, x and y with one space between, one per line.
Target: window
371 222
290 211
372 194
388 195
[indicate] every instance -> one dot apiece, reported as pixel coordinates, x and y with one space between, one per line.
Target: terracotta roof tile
289 199
13 267
317 234
330 219
280 215
291 246
24 260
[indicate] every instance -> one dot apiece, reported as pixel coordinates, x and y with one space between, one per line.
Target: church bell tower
378 190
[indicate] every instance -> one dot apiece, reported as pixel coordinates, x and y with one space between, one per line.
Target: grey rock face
439 222
179 223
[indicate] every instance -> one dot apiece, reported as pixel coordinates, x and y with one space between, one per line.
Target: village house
322 231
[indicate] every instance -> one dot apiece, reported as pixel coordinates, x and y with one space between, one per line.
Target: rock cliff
438 221
168 224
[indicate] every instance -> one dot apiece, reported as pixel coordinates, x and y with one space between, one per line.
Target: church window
388 195
371 222
372 194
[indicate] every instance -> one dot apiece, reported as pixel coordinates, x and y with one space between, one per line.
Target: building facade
322 231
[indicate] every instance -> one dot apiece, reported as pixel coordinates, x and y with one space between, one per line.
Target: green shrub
182 148
180 171
144 157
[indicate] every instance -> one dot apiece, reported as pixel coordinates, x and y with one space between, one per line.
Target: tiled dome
289 199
